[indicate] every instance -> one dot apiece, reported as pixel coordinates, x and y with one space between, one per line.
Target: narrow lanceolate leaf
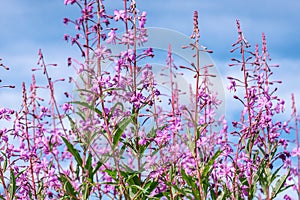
120 129
12 186
179 190
97 167
189 180
73 151
86 105
210 163
87 188
150 186
275 174
5 162
279 186
88 166
67 186
73 125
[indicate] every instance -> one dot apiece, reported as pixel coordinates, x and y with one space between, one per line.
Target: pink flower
67 106
111 37
296 152
142 19
102 52
119 14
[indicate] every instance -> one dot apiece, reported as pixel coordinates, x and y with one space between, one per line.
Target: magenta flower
149 52
137 100
66 20
287 163
232 86
66 2
6 114
67 107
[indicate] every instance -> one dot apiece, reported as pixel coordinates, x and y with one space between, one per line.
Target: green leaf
88 166
273 151
274 175
12 187
209 164
279 185
252 190
221 196
87 91
5 162
181 191
133 179
88 163
86 105
268 174
111 173
81 115
189 180
137 190
150 186
225 194
71 121
213 194
120 129
67 186
73 151
87 188
129 145
251 141
97 167
40 189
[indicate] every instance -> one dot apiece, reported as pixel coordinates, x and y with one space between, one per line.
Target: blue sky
27 25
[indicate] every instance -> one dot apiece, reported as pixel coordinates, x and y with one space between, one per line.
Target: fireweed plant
96 145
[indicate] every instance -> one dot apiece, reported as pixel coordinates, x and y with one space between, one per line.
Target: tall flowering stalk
119 95
30 148
295 151
258 133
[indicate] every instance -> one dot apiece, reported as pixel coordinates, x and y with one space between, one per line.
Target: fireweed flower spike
259 132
